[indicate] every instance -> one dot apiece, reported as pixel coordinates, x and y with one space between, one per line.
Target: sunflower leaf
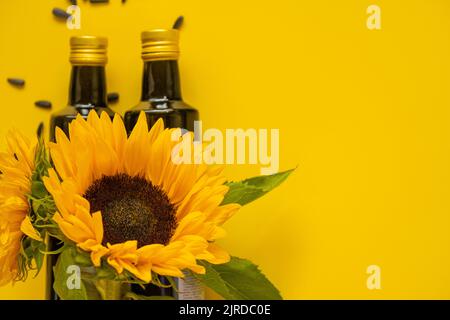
69 284
39 258
248 190
214 281
83 259
91 290
239 279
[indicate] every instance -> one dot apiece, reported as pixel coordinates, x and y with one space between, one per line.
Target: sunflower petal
27 228
98 147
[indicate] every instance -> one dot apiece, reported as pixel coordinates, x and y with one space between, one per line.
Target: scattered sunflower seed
40 130
123 1
73 2
178 23
44 104
16 82
60 13
113 97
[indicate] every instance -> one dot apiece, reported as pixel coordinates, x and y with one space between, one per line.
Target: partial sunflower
16 167
124 199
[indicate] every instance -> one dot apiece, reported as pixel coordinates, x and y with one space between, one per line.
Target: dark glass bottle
87 91
161 93
161 98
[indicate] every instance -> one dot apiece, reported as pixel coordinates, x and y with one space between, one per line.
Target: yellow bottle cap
88 50
160 44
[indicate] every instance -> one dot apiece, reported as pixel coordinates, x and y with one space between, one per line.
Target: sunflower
16 167
124 200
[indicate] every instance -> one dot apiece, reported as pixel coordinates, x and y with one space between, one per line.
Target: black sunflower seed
16 82
40 130
178 23
44 104
113 97
123 1
60 13
73 2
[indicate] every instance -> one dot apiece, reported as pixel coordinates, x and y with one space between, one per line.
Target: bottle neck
161 80
88 87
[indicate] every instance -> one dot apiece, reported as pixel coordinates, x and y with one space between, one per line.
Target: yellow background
364 114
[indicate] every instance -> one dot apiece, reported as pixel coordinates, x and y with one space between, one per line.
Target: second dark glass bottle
161 92
161 98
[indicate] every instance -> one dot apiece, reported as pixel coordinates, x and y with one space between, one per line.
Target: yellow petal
137 149
27 228
119 139
156 129
220 255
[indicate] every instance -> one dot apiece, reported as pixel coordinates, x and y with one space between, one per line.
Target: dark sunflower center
132 209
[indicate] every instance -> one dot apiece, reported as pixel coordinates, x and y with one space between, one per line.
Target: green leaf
105 273
245 191
213 280
83 259
238 279
91 290
38 255
111 289
39 258
64 278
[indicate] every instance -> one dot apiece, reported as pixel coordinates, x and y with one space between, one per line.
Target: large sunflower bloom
125 200
16 167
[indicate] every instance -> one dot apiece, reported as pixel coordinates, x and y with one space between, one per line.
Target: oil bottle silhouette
87 91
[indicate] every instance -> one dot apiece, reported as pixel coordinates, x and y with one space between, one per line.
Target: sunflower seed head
132 209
